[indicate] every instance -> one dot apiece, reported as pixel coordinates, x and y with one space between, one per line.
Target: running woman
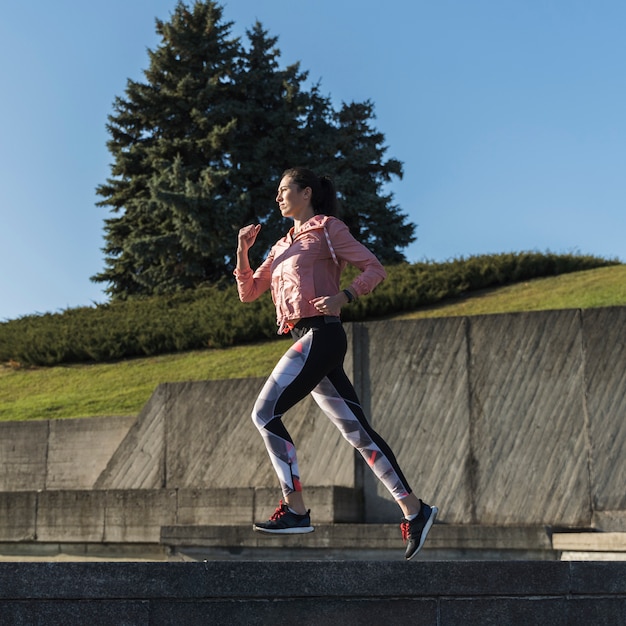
303 271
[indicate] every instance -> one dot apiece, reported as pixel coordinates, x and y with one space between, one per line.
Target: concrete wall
200 435
513 419
138 516
604 348
58 454
505 419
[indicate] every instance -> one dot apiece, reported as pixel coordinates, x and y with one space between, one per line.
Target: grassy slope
123 388
605 286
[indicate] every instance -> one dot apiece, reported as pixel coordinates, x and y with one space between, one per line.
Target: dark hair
323 194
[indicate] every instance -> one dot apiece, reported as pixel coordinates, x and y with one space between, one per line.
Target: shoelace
404 527
281 510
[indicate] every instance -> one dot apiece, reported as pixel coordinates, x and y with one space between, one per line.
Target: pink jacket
308 267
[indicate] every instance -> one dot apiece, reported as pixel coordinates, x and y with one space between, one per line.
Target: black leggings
314 364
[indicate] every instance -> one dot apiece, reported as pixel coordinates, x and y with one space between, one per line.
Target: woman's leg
336 396
314 364
296 374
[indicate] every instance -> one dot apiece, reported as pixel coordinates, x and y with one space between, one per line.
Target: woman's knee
262 413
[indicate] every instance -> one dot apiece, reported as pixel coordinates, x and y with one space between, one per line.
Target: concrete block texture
604 333
71 516
416 377
137 516
302 611
58 454
499 611
528 435
139 461
215 506
339 579
23 453
611 521
313 592
367 538
18 512
79 449
75 613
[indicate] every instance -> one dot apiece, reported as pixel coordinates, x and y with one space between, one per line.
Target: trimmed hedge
213 317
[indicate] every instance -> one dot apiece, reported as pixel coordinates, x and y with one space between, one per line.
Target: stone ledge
219 579
30 551
590 542
137 515
360 536
313 593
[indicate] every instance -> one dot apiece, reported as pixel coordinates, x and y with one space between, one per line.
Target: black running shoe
284 522
414 532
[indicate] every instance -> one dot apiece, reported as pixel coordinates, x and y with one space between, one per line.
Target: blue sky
509 117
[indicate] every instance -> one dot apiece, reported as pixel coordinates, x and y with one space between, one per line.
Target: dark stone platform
314 592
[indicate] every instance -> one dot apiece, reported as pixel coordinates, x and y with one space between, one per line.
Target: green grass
605 286
123 388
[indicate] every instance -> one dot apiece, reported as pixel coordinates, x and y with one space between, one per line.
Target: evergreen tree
267 138
199 149
169 141
361 174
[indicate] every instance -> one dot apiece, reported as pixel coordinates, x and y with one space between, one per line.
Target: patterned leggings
314 364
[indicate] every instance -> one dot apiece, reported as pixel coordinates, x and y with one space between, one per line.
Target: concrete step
590 541
354 535
374 541
312 593
586 546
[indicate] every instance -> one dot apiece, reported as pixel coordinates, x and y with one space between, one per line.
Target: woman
302 271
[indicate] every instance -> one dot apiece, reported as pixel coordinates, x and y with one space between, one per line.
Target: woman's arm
245 240
250 285
348 249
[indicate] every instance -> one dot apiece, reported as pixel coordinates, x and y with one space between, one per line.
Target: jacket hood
317 221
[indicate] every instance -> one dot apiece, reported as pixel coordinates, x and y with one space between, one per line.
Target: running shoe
284 522
414 532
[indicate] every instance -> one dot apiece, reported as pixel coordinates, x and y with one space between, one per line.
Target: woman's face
293 201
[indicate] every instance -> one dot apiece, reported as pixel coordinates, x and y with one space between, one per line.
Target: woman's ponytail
328 197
